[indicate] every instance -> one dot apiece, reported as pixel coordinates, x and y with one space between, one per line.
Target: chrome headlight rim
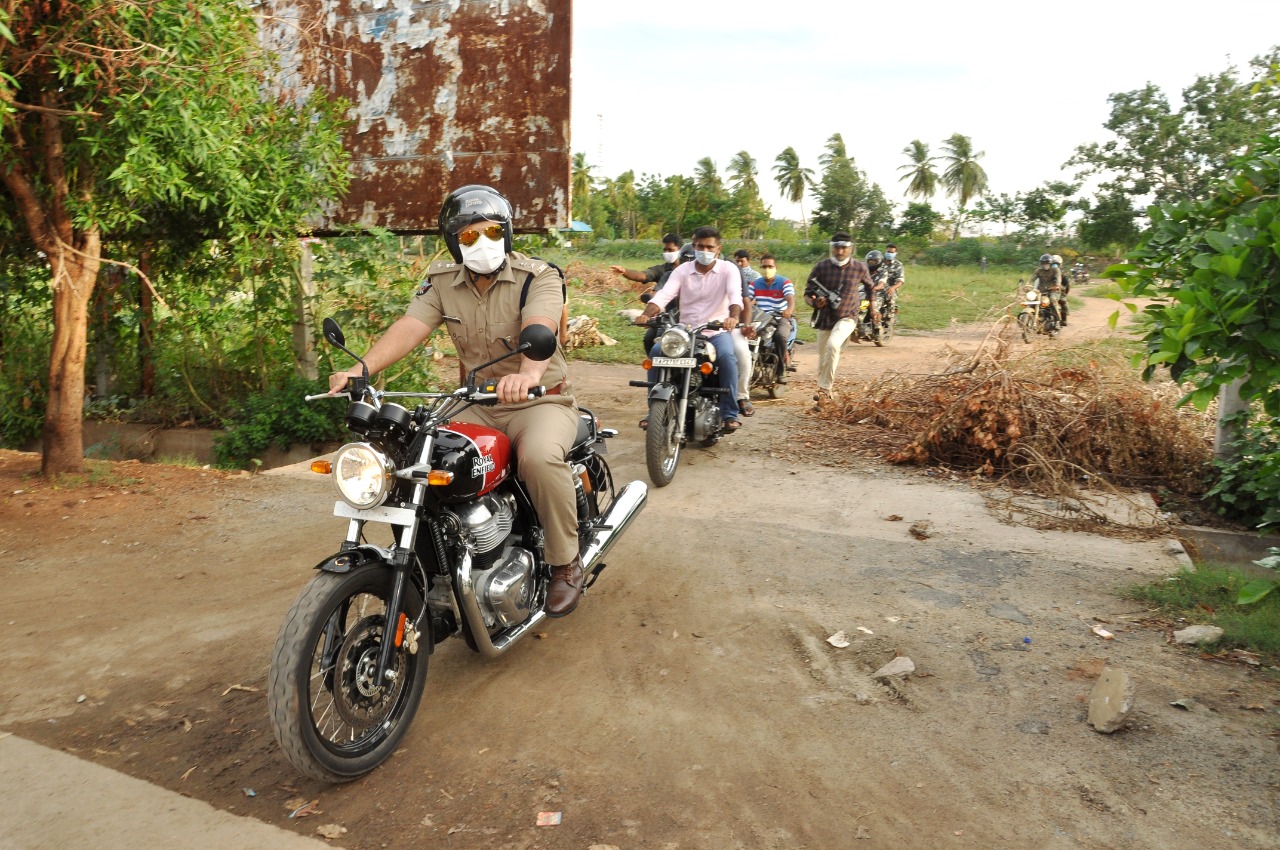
674 342
374 475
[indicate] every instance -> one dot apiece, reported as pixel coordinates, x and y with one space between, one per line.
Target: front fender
351 559
662 392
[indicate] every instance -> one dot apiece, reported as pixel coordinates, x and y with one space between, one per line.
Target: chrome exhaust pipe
631 500
465 590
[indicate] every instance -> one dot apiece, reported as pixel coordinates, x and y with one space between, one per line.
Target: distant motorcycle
1037 316
867 330
768 364
1079 273
684 402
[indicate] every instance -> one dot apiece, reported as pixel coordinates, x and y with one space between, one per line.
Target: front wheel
333 720
662 442
1025 323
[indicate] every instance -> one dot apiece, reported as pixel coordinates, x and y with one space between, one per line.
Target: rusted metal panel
442 94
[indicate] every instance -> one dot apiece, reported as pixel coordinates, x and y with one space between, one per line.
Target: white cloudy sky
659 85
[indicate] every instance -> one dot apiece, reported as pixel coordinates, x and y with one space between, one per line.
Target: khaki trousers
542 434
829 343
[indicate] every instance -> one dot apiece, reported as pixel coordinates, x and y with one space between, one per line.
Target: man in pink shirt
709 289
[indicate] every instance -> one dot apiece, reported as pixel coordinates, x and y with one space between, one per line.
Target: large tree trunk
74 276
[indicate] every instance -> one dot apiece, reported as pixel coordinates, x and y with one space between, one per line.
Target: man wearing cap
844 277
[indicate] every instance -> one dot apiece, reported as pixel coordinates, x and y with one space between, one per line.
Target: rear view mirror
538 342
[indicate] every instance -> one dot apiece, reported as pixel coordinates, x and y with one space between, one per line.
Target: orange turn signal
705 368
323 467
439 478
646 364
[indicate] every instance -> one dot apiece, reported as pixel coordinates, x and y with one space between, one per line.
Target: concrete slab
53 799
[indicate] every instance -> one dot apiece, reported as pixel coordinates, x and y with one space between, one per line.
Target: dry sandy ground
693 701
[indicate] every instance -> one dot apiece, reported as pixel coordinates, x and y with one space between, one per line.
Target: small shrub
1247 487
277 418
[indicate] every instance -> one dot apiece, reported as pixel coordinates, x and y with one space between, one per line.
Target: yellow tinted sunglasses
470 237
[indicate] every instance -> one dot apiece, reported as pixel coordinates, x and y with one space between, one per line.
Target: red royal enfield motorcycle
460 554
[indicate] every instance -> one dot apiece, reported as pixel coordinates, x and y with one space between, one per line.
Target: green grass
1208 596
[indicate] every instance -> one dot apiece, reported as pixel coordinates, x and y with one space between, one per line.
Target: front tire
662 442
332 720
1025 324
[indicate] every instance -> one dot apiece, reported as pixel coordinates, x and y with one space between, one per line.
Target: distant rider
1055 261
1048 280
776 293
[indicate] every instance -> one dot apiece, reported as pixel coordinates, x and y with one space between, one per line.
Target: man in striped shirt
773 292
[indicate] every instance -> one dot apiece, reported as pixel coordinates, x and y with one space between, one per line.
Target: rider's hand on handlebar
729 324
513 389
338 382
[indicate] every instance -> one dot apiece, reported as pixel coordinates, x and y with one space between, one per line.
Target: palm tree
964 178
793 181
924 178
581 186
706 178
742 174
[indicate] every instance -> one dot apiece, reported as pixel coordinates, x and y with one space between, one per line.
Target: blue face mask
890 255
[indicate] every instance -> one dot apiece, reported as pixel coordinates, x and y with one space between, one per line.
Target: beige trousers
829 343
542 434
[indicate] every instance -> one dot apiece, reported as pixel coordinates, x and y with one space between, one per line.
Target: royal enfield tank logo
481 466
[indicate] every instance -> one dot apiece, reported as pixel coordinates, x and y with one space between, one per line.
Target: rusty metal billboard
442 94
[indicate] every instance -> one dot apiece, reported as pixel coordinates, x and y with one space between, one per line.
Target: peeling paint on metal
442 93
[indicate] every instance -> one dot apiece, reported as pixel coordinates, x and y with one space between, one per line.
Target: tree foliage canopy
1214 265
1175 154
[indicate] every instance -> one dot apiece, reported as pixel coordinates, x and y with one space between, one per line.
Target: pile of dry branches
1036 421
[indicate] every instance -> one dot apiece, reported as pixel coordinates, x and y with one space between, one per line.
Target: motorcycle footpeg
593 575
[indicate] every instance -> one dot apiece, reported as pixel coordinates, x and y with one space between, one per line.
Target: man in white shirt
709 289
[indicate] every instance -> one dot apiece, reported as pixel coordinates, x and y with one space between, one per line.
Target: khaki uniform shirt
1047 280
487 326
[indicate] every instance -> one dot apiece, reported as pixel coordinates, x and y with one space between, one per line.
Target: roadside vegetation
1210 594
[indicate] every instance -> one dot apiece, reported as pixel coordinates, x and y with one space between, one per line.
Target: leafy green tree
846 199
1173 155
1214 268
1046 206
964 178
918 220
1003 209
113 110
1110 221
750 217
921 171
582 180
793 181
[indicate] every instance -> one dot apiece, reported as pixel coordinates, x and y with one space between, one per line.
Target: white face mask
840 262
670 256
484 257
705 258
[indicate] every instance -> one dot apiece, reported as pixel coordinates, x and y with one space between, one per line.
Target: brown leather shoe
565 589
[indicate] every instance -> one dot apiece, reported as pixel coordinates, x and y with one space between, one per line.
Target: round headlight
362 475
675 342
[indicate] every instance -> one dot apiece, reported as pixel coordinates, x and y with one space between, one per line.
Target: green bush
278 418
1247 488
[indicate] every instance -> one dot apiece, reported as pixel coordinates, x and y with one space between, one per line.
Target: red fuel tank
480 459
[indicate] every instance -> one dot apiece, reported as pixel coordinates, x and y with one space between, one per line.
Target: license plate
674 362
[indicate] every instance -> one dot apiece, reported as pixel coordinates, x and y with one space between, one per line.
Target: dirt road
693 700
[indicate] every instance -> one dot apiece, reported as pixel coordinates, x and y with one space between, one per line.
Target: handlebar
479 395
